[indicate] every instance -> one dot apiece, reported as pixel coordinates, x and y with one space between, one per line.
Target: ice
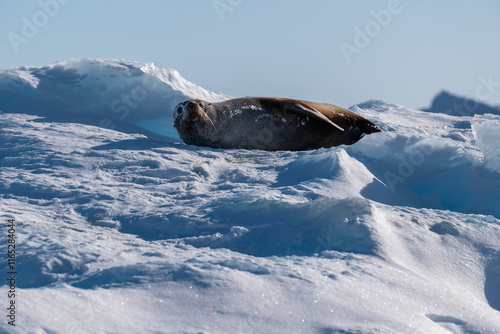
487 135
121 230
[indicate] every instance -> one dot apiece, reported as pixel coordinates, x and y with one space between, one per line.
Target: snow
122 230
487 136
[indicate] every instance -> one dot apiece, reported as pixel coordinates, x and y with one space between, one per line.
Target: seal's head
191 119
186 113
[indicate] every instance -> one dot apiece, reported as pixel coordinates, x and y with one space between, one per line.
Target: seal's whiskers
206 117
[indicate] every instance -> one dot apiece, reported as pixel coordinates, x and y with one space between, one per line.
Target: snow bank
422 164
102 92
487 135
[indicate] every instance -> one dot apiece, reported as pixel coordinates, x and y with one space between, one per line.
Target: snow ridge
102 92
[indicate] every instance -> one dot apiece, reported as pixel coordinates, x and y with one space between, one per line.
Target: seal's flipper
297 107
315 113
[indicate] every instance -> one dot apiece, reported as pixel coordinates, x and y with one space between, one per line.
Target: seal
268 123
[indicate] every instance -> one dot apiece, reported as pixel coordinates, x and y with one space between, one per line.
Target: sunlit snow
122 228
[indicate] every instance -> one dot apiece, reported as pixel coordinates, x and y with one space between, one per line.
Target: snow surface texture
119 232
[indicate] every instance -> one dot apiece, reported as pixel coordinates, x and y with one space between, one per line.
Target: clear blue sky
277 48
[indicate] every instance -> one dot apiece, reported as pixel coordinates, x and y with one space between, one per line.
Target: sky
337 51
